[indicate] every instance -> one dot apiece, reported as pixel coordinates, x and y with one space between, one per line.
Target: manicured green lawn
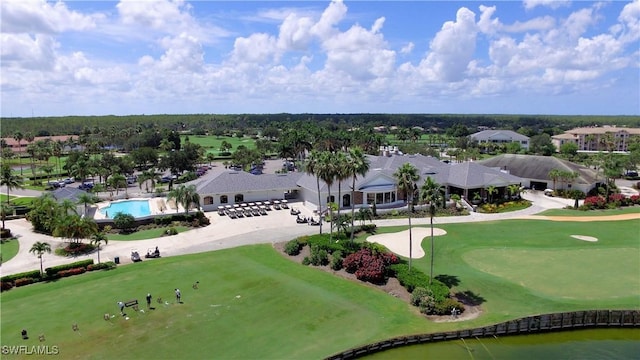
255 303
252 303
9 249
568 212
145 234
17 200
212 143
525 267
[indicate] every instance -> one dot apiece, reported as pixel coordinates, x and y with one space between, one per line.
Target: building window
208 200
238 198
224 199
346 200
331 199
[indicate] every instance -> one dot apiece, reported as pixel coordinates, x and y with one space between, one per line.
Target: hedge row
52 271
416 278
30 277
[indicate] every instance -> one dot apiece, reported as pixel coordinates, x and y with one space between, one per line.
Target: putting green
583 274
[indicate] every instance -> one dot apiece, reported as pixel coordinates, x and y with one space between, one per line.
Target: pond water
593 344
137 208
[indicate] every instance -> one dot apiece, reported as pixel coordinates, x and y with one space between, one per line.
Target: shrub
52 271
319 256
171 231
293 247
635 199
306 261
5 233
124 222
444 307
73 249
595 202
23 282
336 260
418 294
617 199
366 265
71 272
105 265
6 285
410 280
34 274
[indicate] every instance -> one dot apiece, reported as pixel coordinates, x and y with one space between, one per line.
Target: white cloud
553 4
257 48
407 49
41 17
331 16
163 14
25 51
630 21
295 33
452 48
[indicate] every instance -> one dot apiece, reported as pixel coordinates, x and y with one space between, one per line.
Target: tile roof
538 167
228 181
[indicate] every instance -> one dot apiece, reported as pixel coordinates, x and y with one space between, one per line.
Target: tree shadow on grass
449 280
470 298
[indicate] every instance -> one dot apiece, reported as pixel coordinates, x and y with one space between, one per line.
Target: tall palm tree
98 238
67 206
18 137
328 175
312 167
431 193
117 181
8 179
341 168
38 249
358 165
407 176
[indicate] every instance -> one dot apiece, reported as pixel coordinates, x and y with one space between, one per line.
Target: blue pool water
137 208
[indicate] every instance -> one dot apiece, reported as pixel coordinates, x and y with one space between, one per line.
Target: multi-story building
605 138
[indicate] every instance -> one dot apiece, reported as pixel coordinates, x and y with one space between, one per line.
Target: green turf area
212 143
17 200
9 248
559 273
253 302
568 212
145 234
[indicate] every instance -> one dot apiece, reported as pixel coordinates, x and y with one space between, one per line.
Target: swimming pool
137 208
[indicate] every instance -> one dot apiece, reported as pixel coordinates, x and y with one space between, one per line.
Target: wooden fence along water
527 325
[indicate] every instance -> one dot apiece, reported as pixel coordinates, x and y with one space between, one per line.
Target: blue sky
176 56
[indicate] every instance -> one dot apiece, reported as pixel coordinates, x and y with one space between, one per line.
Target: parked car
86 186
69 180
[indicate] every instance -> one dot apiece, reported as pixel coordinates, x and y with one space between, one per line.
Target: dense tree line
247 124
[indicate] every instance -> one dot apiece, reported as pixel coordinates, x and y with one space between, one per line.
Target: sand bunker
584 238
399 242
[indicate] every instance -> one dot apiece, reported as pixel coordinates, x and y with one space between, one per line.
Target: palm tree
8 179
18 137
75 228
146 177
407 176
432 194
341 168
364 214
514 189
358 165
38 249
328 175
117 181
554 175
5 209
491 190
98 238
86 199
67 206
177 194
312 167
190 197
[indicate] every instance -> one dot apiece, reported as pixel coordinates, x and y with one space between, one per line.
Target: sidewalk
225 233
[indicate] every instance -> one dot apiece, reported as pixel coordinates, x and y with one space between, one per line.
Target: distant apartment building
500 137
605 138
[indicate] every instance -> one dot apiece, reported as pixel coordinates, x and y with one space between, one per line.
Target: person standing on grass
178 295
148 300
121 306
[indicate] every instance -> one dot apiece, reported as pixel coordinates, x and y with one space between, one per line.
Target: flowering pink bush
595 202
367 266
635 199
